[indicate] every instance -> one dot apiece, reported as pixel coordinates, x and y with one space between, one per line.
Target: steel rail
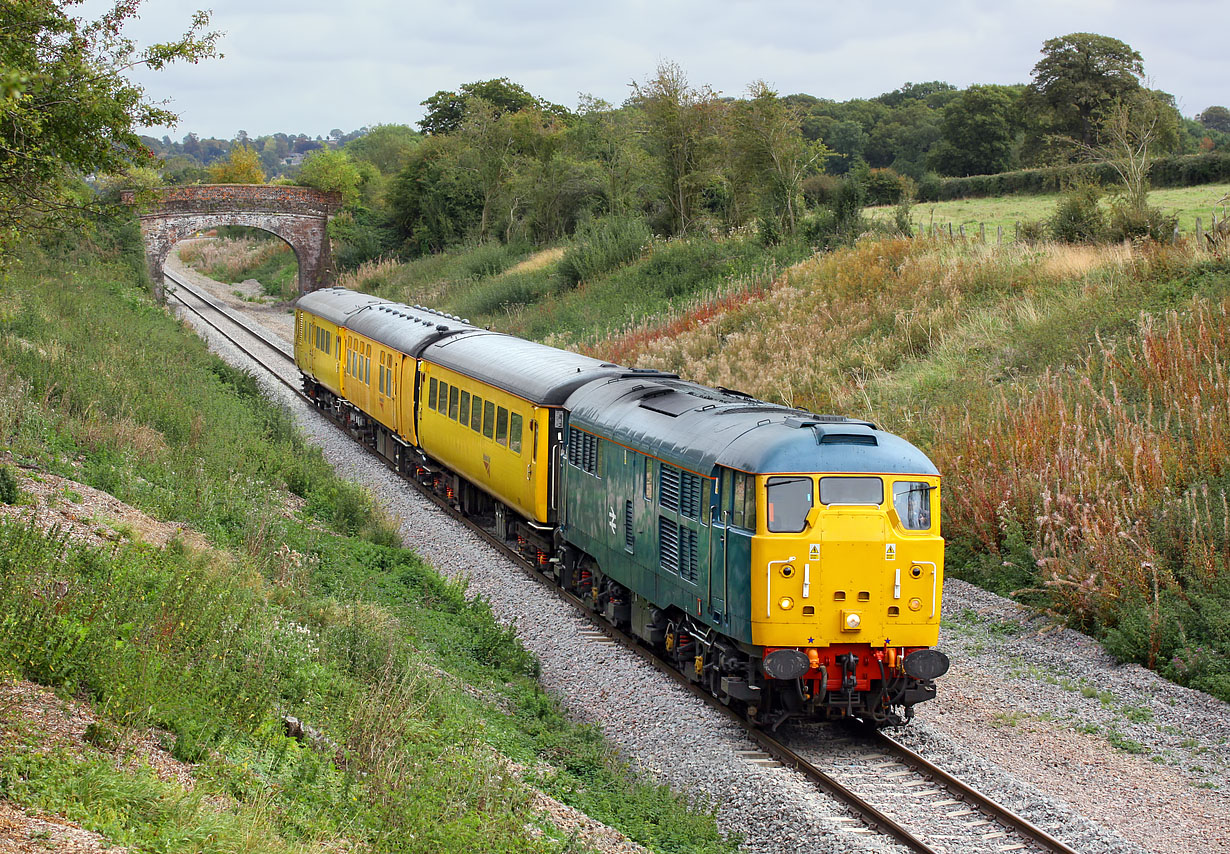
1001 814
867 813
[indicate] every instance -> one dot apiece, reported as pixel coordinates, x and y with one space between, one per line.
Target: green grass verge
1006 211
303 605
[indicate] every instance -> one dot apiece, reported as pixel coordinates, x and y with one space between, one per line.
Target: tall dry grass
229 258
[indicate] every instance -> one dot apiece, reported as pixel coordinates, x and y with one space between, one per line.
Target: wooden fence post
1016 235
999 235
961 231
982 232
950 231
1199 232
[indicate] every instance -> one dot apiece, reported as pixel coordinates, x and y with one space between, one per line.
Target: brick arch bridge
298 215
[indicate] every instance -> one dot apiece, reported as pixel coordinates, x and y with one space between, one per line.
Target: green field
1006 211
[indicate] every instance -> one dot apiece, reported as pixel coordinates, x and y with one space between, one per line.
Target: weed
9 490
1122 742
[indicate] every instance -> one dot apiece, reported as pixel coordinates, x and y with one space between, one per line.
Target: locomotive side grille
668 544
669 491
583 450
689 564
689 495
629 534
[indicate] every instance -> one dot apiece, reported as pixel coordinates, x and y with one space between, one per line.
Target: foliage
331 171
446 111
772 153
9 491
600 246
980 128
1079 75
1181 171
1078 217
387 147
67 107
1215 118
682 141
241 166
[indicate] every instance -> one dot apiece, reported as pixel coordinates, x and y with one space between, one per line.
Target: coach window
488 418
501 426
464 415
442 400
454 395
432 391
790 500
476 414
514 432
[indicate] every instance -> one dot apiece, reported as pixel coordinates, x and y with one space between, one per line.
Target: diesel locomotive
791 563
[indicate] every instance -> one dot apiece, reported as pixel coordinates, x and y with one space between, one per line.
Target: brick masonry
298 215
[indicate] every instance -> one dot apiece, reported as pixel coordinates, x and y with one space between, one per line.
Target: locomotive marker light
768 584
850 621
786 604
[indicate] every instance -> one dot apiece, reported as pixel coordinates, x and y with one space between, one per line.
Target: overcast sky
312 65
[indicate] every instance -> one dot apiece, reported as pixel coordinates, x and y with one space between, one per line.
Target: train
789 563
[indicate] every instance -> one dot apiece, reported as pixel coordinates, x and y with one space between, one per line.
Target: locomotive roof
336 304
698 428
536 372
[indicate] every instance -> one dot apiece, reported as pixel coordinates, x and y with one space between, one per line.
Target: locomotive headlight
786 603
853 621
915 604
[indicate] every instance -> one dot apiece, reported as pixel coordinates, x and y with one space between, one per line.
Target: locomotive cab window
789 502
852 490
912 501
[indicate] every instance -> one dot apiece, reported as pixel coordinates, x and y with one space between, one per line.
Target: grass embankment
1187 203
301 605
602 280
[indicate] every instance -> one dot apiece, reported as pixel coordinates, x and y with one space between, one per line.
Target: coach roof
536 372
336 304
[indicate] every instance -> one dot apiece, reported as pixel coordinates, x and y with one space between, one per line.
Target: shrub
1128 223
9 492
488 259
600 246
1078 217
820 190
819 227
884 187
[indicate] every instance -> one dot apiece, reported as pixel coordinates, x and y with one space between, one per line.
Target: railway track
885 787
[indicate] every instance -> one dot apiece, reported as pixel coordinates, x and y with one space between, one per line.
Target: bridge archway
298 215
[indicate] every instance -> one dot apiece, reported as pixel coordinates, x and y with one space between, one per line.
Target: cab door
721 508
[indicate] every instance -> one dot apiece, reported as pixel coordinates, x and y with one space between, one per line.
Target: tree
1079 75
979 131
387 147
772 151
447 110
67 107
1215 118
681 137
333 172
241 166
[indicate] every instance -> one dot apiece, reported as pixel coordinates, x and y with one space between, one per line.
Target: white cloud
314 65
